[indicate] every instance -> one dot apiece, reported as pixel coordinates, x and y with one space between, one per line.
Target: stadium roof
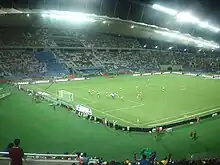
137 11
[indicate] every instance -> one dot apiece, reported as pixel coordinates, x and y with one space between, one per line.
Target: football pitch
42 130
165 98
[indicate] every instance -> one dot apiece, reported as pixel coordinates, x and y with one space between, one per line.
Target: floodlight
104 22
170 48
208 26
186 17
44 15
156 47
200 45
145 46
28 15
187 38
164 9
132 26
184 50
199 50
75 17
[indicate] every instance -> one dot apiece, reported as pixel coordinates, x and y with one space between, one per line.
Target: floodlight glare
208 26
75 17
132 26
164 9
156 47
200 45
145 46
170 48
184 50
199 50
44 15
189 39
28 15
186 17
212 50
104 22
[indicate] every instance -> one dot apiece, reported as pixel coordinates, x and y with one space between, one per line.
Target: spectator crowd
75 50
17 157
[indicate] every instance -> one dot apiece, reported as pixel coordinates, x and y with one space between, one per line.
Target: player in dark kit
54 107
16 153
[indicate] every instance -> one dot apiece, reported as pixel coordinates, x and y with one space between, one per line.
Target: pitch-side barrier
42 159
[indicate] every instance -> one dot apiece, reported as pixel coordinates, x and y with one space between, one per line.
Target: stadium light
206 25
164 9
156 47
186 17
200 45
75 17
199 42
170 48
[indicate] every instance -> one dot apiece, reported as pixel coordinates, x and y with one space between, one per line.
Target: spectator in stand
144 160
10 145
16 153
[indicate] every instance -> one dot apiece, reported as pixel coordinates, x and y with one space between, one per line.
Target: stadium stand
117 54
50 61
20 63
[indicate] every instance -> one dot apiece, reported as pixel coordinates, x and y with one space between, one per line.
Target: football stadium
109 82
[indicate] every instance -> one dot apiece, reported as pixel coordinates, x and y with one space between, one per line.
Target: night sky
131 9
136 10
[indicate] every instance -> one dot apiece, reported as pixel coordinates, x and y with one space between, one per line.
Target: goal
65 95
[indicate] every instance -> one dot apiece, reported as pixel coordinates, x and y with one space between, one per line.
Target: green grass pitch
166 98
42 130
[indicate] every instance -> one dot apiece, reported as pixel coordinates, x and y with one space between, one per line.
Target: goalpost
65 95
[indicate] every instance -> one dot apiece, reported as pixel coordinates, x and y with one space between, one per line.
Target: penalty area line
118 118
120 109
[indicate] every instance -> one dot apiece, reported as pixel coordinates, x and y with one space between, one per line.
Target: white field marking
196 114
120 109
118 118
92 102
86 99
186 113
211 110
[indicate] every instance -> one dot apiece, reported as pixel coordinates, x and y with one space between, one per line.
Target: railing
43 159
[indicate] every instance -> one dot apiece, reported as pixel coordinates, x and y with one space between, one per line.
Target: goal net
65 95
